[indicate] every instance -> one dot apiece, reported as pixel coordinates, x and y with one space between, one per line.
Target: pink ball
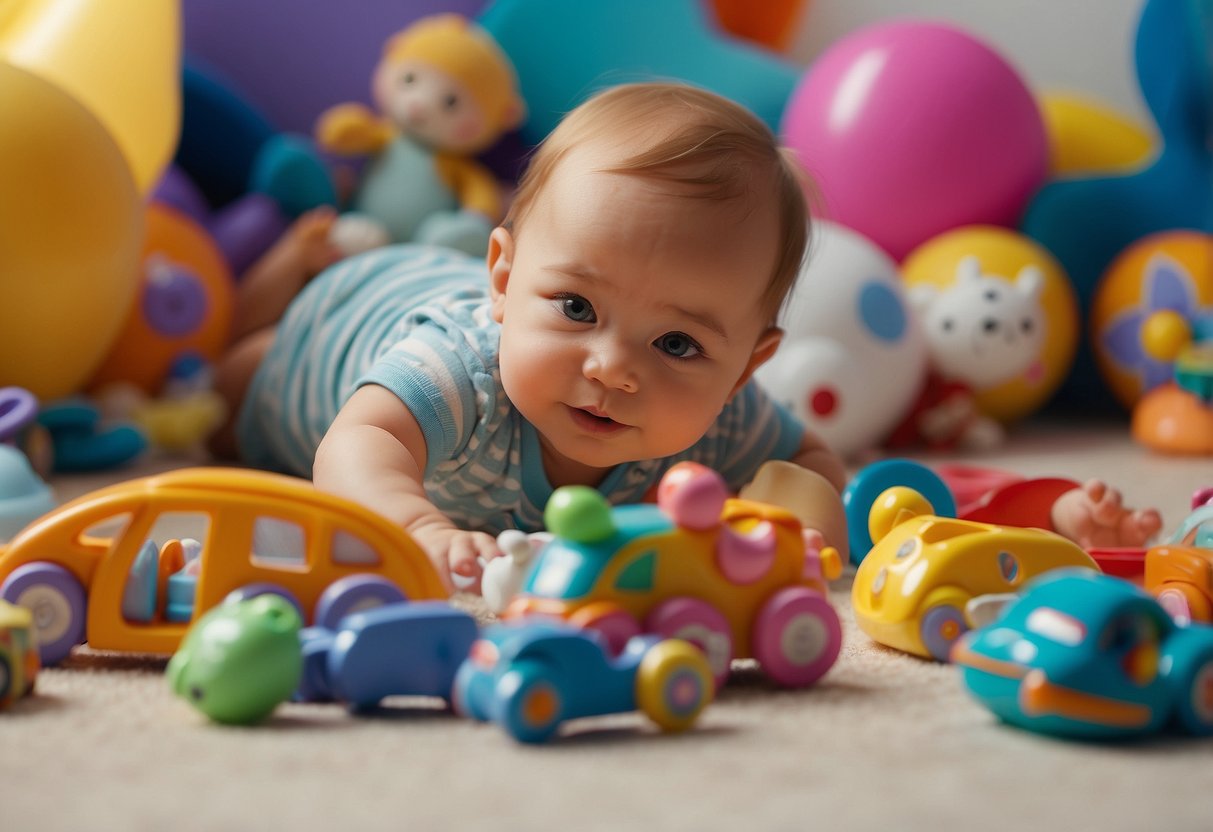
912 129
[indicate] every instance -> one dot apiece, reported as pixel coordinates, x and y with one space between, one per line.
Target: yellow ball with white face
999 314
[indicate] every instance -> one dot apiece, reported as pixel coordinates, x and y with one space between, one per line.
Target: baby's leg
233 374
270 284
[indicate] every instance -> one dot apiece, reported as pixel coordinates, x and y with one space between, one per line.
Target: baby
632 291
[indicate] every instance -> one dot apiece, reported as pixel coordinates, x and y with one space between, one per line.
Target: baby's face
629 316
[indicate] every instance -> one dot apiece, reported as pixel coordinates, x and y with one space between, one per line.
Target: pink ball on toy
912 129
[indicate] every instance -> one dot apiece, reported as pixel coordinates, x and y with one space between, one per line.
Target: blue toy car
405 649
530 677
1086 655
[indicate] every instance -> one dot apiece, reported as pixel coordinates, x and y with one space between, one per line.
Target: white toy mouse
503 576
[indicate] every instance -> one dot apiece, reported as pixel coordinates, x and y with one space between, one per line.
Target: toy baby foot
1093 517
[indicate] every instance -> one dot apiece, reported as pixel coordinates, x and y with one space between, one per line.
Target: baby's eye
678 345
577 308
451 101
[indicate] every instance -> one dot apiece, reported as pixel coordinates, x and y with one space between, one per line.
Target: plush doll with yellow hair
445 91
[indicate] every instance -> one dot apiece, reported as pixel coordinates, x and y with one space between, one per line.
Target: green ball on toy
578 512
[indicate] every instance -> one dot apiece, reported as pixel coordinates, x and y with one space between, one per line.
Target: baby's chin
590 468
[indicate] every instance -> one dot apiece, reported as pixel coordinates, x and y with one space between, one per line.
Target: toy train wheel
57 602
354 593
797 637
699 623
674 684
941 626
531 704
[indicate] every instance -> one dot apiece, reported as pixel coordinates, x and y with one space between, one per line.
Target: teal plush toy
566 51
445 91
240 660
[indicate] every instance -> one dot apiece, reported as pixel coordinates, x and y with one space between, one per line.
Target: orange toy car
1180 573
92 569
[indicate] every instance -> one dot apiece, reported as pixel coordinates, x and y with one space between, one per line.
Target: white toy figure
981 331
853 356
503 576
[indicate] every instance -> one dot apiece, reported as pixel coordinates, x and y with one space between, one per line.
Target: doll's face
629 316
431 106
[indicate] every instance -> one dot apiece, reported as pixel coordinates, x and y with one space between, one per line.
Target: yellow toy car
910 592
19 662
111 567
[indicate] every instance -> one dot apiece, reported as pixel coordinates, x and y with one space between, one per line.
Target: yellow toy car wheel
674 684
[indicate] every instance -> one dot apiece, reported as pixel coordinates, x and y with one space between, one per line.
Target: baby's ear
764 349
500 260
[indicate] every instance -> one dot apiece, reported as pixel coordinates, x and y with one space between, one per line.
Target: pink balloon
912 129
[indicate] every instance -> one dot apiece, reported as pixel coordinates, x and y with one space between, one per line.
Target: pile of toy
633 607
639 607
1014 247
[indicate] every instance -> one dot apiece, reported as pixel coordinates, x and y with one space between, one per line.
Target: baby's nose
611 366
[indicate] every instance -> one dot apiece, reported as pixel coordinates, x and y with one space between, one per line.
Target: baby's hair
695 140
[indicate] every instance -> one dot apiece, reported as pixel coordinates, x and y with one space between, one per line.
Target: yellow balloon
120 59
1003 252
70 228
1088 137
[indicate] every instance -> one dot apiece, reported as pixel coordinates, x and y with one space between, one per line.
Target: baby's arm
374 453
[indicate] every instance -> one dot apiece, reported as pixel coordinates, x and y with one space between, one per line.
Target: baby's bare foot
1095 516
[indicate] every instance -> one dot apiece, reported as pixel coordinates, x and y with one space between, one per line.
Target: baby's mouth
594 420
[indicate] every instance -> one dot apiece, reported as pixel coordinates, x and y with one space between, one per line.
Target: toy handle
18 408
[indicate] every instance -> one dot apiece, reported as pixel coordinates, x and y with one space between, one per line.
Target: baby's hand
457 552
1093 516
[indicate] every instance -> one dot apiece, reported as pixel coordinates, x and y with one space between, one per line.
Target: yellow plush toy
445 91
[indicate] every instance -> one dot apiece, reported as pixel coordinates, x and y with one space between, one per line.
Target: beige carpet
885 742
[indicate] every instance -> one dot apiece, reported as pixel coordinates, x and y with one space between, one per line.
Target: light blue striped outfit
416 320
